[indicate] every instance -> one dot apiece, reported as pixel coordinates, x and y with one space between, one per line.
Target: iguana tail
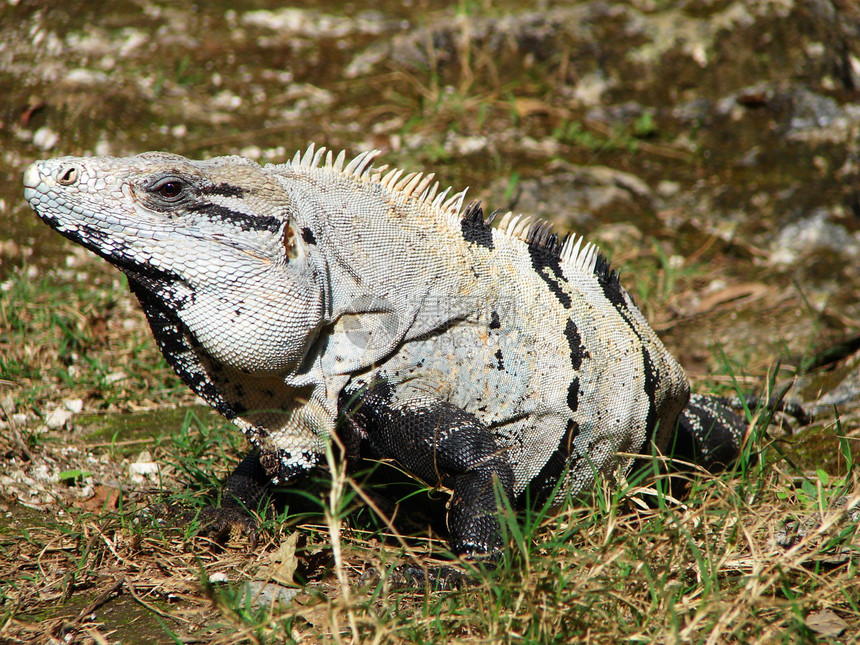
710 433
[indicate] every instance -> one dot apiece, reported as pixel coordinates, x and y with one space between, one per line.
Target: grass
607 571
79 333
607 568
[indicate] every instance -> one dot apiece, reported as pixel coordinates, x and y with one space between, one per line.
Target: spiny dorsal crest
572 252
416 185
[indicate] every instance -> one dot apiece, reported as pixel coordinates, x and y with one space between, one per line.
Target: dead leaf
98 328
105 498
283 562
33 105
826 623
317 613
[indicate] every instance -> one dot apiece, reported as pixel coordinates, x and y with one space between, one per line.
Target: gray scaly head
225 280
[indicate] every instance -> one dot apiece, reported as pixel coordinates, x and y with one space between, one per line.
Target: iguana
320 298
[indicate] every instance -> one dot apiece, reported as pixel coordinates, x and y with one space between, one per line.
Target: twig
101 599
151 607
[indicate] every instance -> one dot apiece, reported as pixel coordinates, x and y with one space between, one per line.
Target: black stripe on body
545 263
539 488
574 340
573 395
308 236
611 286
500 363
651 381
614 292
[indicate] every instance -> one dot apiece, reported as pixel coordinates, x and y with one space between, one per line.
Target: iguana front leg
241 494
442 445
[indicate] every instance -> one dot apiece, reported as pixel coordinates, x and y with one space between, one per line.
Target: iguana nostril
67 176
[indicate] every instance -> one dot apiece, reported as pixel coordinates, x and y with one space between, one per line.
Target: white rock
73 405
45 138
143 468
58 418
82 76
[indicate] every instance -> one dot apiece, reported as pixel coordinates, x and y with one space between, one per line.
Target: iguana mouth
93 239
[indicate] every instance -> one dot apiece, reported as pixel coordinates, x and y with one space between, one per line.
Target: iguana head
212 241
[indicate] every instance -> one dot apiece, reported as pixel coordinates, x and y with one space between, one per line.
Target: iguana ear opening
290 242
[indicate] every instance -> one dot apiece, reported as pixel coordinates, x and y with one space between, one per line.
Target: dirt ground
710 149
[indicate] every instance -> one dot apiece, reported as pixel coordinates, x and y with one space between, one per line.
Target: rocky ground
711 148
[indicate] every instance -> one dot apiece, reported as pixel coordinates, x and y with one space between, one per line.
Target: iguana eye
170 188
